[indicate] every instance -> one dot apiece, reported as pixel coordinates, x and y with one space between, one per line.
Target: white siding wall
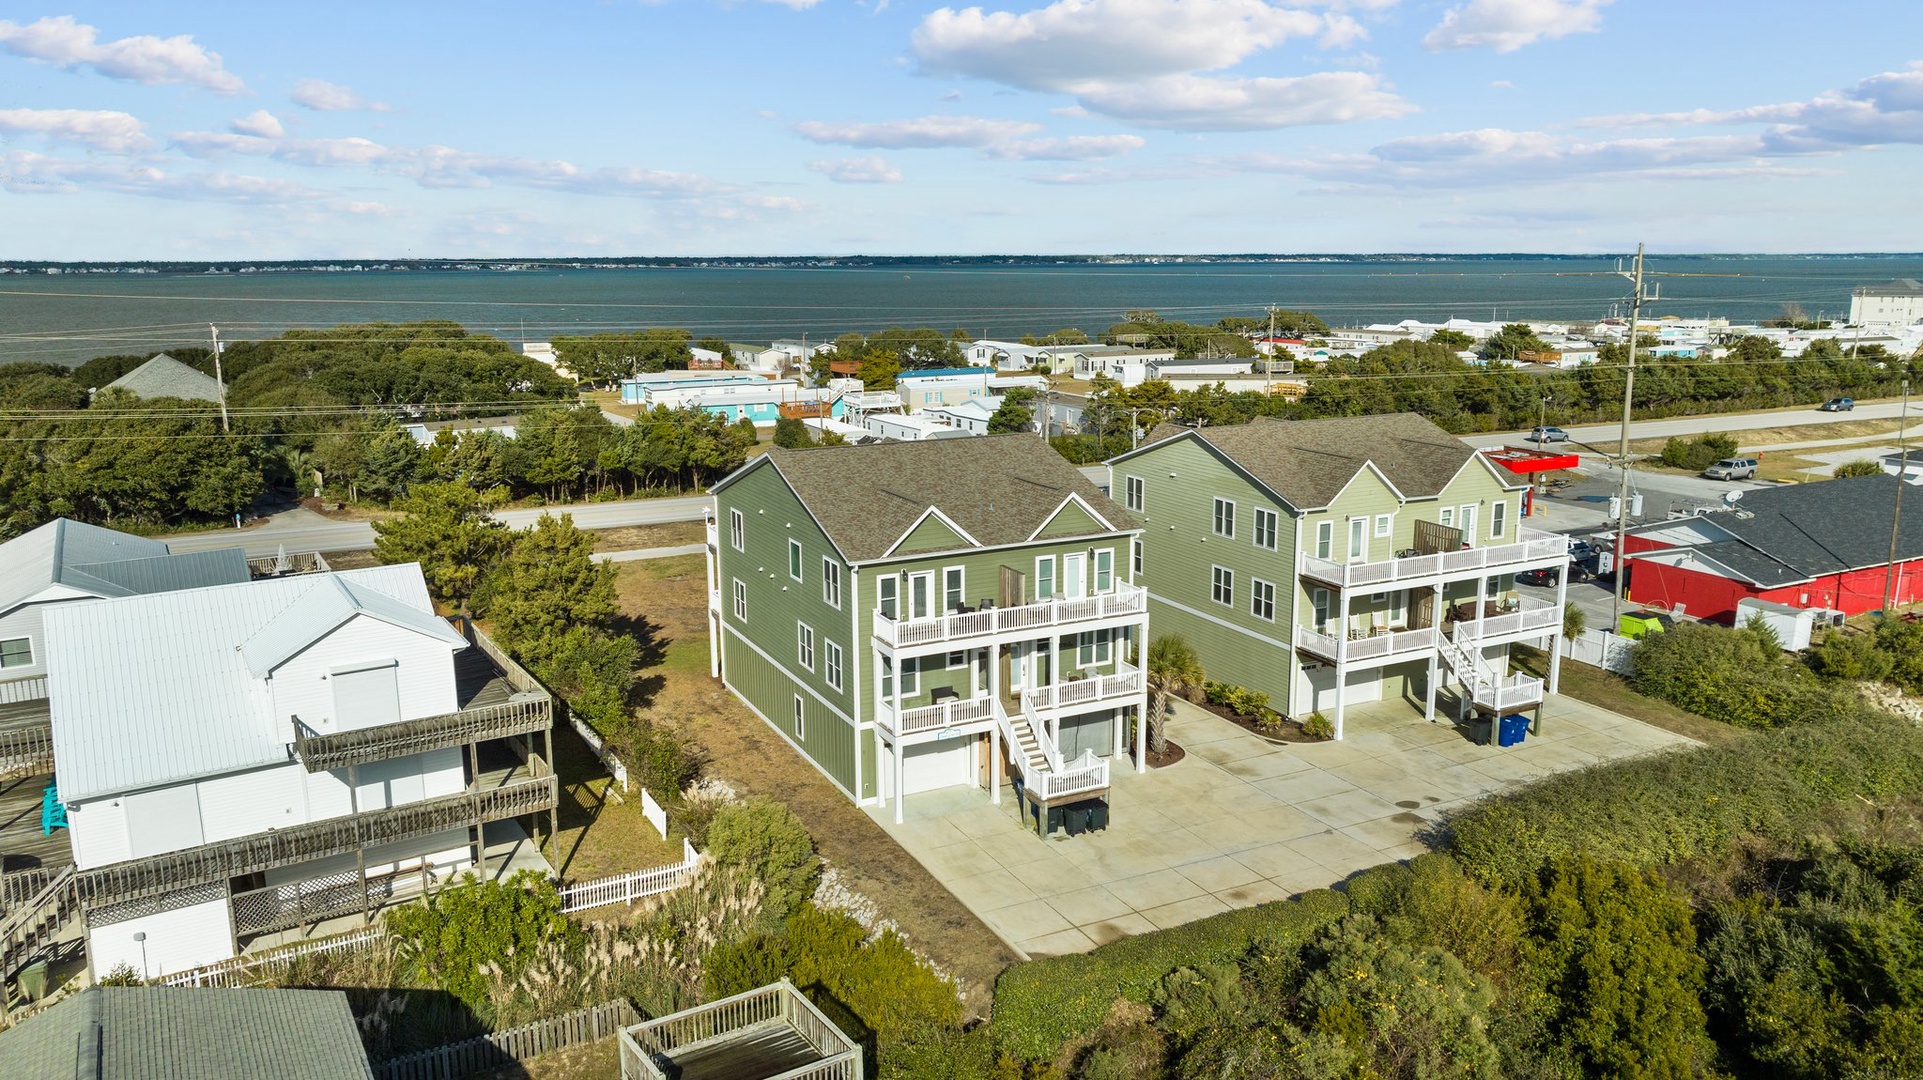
441 850
252 802
426 676
176 940
98 832
25 623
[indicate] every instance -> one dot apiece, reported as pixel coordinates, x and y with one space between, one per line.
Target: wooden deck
756 1053
477 682
22 845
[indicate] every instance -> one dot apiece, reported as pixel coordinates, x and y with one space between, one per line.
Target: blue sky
206 130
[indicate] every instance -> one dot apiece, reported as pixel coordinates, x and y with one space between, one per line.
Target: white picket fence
1598 648
627 888
653 811
228 972
615 766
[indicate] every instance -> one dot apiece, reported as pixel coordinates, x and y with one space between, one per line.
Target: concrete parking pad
1240 821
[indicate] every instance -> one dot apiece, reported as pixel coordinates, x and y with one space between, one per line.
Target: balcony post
1342 659
995 764
1555 631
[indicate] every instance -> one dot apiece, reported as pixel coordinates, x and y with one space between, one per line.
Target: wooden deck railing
27 750
502 1049
526 712
643 1044
154 875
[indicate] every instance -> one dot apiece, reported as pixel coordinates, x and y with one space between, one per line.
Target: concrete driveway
1239 822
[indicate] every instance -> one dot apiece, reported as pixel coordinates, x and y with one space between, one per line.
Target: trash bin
1512 729
1075 820
1097 815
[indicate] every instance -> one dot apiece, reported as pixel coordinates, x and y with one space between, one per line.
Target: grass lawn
590 1061
666 600
1613 692
602 832
632 537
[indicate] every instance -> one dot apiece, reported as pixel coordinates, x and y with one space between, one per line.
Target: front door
1075 575
921 595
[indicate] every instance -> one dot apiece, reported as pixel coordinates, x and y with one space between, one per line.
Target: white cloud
1508 25
1883 109
151 61
921 133
1145 61
1071 148
323 96
260 123
860 170
111 132
28 173
803 5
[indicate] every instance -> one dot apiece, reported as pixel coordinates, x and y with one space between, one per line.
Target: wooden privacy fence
488 1052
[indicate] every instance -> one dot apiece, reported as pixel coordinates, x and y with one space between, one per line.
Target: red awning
1523 460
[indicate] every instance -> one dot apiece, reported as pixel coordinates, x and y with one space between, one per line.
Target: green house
1376 554
914 616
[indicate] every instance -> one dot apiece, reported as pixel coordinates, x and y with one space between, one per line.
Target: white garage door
939 764
1363 686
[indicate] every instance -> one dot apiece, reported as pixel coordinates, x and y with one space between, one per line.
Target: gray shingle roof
1825 527
186 1033
1899 287
1000 488
1308 462
165 377
1753 565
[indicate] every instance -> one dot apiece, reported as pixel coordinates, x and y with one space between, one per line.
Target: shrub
1698 453
1736 676
665 763
1616 952
765 839
1859 467
1042 1005
123 974
1662 809
1318 726
1903 641
1851 656
1431 901
470 927
1376 1007
1191 1000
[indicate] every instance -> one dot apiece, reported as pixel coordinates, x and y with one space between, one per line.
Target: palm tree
1173 668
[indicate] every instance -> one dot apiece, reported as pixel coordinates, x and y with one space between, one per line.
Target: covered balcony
1083 694
1415 568
979 626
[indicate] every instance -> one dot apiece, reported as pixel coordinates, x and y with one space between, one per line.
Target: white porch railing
1368 646
1487 688
1084 774
627 888
1125 682
1532 614
922 718
15 691
1531 547
1125 600
1050 752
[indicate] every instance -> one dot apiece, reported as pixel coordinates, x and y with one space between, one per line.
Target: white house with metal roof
244 759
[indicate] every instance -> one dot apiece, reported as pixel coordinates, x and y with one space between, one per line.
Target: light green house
914 616
1302 556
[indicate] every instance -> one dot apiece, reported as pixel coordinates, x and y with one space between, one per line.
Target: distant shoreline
219 267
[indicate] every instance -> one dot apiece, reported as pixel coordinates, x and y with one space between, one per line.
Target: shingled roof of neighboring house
1309 462
1000 488
1804 531
165 377
185 1033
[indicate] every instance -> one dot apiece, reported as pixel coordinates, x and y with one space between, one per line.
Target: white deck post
1341 664
1555 632
1141 735
1429 691
900 770
995 764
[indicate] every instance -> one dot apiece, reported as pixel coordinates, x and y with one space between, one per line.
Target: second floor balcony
1531 548
1500 620
955 628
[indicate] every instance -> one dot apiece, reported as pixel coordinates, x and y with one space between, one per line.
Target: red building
1819 545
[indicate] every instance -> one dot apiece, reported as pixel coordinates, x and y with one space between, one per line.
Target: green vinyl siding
1070 520
826 738
931 534
1477 486
1365 498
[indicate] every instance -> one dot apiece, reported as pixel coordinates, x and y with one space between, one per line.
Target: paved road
1604 437
304 530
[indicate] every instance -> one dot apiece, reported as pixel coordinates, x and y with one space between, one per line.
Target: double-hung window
1135 557
1384 526
1222 585
801 718
910 677
805 645
1262 599
794 559
1264 528
1498 519
830 582
887 674
1325 540
1137 493
1044 577
1225 518
954 588
740 599
831 655
1093 647
1104 569
16 652
737 530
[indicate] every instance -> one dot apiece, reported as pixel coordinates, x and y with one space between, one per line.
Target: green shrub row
1738 676
1041 1005
1671 807
1239 700
1698 453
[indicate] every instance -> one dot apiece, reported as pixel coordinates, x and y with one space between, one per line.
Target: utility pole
1902 481
218 378
1622 451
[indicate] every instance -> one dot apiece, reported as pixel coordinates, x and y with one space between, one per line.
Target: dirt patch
635 537
350 560
667 603
1170 754
1288 731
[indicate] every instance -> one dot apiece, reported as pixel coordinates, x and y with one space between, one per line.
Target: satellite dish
1731 498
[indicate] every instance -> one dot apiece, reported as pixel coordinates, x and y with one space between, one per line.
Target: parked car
1580 549
1732 468
1548 434
1545 576
1837 404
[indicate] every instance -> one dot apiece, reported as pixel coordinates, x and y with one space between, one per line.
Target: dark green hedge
1043 1004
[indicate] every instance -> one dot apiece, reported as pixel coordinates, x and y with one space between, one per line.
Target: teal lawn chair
53 812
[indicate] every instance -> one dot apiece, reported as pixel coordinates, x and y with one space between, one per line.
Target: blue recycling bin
1512 729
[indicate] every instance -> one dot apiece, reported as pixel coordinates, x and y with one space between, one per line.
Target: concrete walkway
640 554
1239 822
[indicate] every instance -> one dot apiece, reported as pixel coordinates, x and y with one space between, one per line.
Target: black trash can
1097 815
1075 820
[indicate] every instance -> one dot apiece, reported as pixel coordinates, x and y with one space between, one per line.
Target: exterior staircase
33 925
1485 687
1026 749
1044 774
